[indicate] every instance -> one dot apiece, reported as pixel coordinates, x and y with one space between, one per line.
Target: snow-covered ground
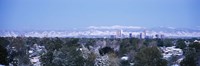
34 54
169 52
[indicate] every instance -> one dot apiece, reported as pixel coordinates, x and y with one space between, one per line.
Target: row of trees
65 51
192 55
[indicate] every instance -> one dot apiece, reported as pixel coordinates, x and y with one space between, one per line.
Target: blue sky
69 14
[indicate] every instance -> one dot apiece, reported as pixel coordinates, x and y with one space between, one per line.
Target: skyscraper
145 34
130 35
119 33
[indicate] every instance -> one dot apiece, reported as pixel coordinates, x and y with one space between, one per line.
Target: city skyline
64 14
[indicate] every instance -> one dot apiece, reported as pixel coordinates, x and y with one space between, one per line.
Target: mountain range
106 31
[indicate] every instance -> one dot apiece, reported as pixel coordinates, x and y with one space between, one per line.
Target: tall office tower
145 34
130 35
162 36
119 33
140 36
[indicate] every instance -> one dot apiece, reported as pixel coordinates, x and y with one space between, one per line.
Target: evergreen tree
180 44
149 56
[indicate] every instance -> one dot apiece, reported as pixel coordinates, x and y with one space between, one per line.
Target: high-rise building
130 35
119 33
140 35
162 36
145 34
112 36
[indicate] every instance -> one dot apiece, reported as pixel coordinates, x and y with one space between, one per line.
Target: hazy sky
69 14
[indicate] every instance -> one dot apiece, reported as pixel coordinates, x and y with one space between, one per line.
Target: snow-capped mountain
107 31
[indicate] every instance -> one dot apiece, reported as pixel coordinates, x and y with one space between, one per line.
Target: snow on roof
2 65
169 51
197 41
124 58
30 51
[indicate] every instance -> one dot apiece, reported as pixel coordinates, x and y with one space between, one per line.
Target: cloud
171 27
167 27
115 27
